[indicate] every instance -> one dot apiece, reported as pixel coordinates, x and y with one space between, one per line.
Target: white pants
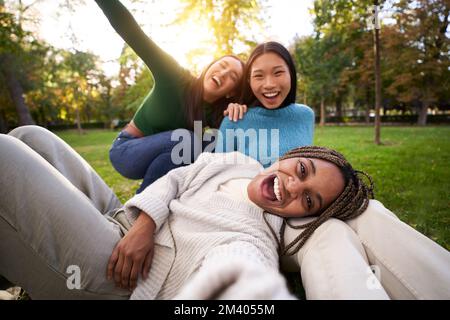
373 256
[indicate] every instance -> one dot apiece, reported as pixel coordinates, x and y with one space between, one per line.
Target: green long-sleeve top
163 107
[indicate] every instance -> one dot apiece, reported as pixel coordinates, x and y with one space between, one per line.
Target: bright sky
287 18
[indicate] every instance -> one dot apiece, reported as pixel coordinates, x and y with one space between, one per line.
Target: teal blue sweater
265 134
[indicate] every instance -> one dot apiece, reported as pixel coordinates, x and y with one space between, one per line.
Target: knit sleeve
161 64
155 199
226 140
237 270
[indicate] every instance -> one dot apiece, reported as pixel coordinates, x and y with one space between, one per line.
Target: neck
208 98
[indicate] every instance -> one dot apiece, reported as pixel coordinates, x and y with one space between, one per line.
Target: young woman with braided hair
338 251
352 202
200 232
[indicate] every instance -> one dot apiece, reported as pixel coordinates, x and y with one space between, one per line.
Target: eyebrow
312 166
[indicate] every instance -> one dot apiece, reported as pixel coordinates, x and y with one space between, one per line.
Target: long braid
349 204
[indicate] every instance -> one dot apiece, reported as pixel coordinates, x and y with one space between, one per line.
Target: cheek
254 87
293 210
287 84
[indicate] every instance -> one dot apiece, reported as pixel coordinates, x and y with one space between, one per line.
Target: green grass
410 169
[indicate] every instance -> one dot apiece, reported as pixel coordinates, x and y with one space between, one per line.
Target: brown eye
309 202
302 170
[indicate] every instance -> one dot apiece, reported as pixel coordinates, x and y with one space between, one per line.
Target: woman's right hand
235 111
133 254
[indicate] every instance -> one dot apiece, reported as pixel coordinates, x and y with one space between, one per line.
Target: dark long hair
194 100
247 96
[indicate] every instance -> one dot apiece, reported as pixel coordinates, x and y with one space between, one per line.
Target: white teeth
270 94
217 80
276 188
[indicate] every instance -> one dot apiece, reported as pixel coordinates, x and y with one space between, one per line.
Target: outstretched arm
157 60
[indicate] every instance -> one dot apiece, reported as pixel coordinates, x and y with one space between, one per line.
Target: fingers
242 110
126 272
235 111
134 275
118 270
147 264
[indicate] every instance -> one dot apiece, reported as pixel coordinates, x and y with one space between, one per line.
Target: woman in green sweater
143 149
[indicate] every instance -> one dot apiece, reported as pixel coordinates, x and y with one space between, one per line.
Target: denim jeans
150 157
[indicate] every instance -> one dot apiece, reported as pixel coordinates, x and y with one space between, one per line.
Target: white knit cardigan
199 226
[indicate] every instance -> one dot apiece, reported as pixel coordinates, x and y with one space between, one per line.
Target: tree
226 19
424 74
12 54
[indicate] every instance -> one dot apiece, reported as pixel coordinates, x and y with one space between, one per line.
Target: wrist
145 220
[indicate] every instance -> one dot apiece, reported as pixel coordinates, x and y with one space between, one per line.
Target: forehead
232 63
268 60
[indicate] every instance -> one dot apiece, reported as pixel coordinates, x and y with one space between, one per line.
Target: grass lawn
410 169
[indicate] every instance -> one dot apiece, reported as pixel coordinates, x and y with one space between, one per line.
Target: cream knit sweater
199 228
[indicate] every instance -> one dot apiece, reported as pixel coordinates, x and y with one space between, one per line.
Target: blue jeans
150 157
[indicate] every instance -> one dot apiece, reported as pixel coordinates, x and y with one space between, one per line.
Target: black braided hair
353 200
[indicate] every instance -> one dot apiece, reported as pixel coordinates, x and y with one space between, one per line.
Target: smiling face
222 78
297 187
270 80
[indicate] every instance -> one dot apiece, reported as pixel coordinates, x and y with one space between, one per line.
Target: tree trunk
15 90
80 129
377 80
367 105
423 111
339 107
322 111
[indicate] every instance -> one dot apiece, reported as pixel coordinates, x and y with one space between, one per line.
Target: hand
235 111
133 254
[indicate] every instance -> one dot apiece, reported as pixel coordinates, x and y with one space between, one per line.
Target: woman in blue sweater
274 123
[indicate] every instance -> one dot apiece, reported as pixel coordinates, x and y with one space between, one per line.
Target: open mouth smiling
217 80
271 95
271 189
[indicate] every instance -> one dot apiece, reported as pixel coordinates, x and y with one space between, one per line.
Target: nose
269 83
224 73
293 187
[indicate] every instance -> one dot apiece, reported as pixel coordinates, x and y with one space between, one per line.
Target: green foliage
336 63
135 82
226 19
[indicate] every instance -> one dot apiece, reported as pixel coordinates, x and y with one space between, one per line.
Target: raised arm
158 61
